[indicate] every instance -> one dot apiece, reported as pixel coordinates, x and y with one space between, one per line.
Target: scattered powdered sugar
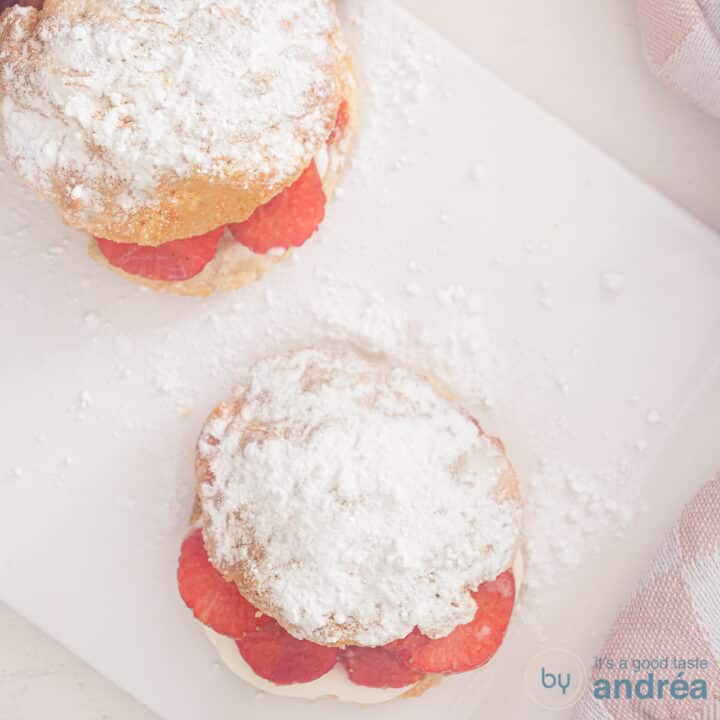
115 102
91 321
479 172
85 400
372 500
571 507
393 88
456 347
612 282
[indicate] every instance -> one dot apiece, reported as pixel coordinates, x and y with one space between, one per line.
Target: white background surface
581 62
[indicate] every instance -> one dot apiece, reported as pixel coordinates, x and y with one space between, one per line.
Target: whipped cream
333 685
329 160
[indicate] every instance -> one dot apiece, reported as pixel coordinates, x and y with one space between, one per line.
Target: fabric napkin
682 46
674 613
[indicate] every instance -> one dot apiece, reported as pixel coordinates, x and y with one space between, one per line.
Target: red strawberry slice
277 656
377 667
341 121
171 261
289 219
468 646
215 602
406 648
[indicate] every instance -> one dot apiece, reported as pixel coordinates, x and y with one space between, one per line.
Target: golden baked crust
422 686
507 487
179 205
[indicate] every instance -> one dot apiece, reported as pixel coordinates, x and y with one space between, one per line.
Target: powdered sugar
371 498
118 101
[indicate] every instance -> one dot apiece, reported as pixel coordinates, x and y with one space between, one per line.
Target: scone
196 142
355 534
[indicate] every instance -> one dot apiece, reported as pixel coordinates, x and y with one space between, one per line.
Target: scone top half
147 121
359 506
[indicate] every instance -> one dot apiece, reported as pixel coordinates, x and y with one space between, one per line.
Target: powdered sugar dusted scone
360 522
160 122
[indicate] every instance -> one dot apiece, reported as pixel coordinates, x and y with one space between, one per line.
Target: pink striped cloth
682 45
674 613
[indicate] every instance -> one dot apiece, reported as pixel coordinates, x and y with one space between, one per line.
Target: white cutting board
457 183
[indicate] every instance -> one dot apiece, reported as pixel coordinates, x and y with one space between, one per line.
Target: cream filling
335 684
322 160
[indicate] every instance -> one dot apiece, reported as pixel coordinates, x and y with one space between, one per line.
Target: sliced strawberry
171 261
341 121
277 656
377 667
214 601
406 648
289 219
468 646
